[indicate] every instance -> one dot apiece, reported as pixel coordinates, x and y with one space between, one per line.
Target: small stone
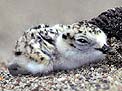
61 79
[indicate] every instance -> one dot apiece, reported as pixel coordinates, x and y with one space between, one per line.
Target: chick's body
45 48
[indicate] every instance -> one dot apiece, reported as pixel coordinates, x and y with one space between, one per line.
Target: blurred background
17 16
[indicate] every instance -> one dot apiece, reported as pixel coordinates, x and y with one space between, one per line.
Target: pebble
61 79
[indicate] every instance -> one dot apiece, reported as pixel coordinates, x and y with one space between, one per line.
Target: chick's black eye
82 40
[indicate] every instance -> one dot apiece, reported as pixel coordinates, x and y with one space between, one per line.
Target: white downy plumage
45 48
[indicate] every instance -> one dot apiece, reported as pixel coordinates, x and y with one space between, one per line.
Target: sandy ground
18 15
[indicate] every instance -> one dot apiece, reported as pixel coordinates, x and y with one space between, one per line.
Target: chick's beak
105 49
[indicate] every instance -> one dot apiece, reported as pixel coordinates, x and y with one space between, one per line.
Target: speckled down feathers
38 43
